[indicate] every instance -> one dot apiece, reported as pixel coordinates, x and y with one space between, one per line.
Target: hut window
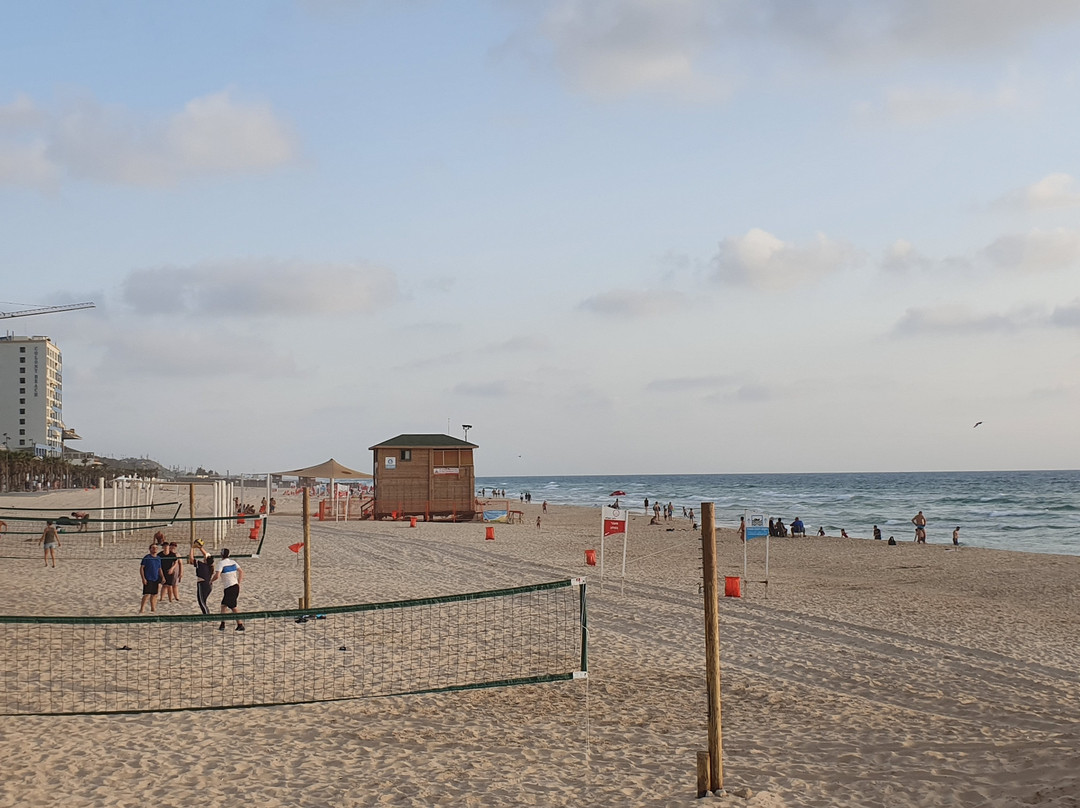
406 454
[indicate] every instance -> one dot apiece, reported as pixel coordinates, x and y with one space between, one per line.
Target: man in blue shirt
150 573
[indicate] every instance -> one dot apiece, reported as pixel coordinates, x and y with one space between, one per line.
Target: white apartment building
31 402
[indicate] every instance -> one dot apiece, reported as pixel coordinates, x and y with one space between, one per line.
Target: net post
712 644
101 503
584 619
307 551
191 513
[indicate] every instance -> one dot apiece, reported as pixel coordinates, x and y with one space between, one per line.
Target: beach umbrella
330 470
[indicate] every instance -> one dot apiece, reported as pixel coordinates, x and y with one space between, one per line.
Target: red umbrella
617 494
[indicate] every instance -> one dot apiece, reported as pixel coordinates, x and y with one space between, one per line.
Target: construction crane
45 310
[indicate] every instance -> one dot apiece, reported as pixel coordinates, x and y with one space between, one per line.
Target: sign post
614 521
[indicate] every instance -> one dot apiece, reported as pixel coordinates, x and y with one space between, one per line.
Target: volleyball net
89 665
125 531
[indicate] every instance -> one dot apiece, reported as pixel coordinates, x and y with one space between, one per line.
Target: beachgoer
877 532
178 571
537 522
204 572
50 539
231 577
3 526
150 574
798 528
843 534
273 504
545 506
821 530
646 503
892 541
262 505
956 537
168 570
742 528
82 518
920 527
772 527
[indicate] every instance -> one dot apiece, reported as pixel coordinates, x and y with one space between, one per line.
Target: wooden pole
712 644
702 774
307 551
191 512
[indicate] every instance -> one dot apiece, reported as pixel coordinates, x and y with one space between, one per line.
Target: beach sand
861 675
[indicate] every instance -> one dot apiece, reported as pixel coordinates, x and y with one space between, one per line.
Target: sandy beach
862 674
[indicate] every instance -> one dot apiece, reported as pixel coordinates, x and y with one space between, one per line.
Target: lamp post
466 427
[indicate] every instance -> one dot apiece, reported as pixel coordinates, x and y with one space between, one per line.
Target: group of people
161 573
778 529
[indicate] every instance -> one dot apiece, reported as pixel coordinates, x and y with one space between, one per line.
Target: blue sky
615 237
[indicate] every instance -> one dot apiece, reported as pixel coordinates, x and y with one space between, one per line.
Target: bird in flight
977 423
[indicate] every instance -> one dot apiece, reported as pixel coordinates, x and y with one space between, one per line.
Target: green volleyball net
77 665
125 531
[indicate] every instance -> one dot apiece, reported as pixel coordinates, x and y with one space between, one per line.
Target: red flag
296 547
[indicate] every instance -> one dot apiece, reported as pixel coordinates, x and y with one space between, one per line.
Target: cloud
171 355
28 166
503 388
877 30
519 345
761 260
954 319
1067 316
251 288
633 303
903 257
688 384
915 106
21 115
609 48
211 136
1035 251
617 47
1052 191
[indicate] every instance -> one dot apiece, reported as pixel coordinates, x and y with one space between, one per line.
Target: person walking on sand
956 537
537 522
204 573
920 527
742 528
50 539
231 577
150 574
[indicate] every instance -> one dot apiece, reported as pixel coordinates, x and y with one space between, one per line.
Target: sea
1030 511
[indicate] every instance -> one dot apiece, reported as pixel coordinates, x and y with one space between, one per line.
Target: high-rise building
31 400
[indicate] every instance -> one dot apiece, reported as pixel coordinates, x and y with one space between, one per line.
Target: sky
688 236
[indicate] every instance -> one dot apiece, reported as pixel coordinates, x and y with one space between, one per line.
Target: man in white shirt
231 577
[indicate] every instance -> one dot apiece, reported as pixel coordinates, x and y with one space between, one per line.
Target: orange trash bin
732 586
590 557
490 534
412 521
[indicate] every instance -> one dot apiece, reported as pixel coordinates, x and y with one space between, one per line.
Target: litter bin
732 586
590 557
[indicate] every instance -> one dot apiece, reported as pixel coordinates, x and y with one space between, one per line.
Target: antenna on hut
466 427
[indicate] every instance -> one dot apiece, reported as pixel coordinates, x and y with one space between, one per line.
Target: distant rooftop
424 442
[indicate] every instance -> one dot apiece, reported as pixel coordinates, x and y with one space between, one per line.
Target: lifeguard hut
429 476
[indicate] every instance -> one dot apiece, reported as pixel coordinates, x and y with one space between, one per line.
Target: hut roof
424 442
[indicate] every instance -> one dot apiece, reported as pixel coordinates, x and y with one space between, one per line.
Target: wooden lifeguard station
429 476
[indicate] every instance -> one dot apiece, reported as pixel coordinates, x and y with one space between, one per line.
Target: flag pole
712 645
